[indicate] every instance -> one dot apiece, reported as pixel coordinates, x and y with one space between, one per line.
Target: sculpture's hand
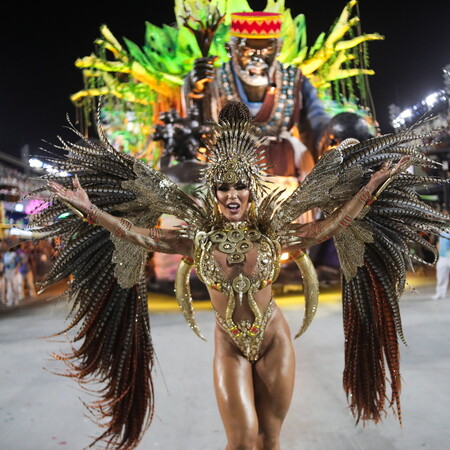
202 73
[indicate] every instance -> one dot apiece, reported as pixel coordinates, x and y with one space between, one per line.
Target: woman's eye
222 188
241 187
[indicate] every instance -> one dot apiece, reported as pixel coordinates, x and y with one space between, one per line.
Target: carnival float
138 85
135 92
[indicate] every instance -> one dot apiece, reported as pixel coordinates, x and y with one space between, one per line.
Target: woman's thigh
274 376
233 383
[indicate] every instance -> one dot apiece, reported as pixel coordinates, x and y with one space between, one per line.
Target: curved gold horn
183 295
310 289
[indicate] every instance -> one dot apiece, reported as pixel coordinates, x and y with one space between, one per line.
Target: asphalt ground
39 410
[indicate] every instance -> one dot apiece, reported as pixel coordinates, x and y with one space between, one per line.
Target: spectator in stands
13 278
27 285
41 258
2 280
442 267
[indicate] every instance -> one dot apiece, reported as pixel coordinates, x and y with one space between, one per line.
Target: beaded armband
345 220
364 195
92 215
155 234
374 197
317 230
123 226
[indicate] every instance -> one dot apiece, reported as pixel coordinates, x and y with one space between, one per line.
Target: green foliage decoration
147 79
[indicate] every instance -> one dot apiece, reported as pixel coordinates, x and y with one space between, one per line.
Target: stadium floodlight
432 99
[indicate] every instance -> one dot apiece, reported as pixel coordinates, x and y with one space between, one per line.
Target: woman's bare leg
273 376
233 383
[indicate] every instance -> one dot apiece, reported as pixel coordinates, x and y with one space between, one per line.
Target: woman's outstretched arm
316 232
153 239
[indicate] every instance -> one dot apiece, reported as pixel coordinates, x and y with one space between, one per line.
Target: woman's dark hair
234 112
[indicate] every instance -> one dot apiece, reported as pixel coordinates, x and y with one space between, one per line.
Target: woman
236 254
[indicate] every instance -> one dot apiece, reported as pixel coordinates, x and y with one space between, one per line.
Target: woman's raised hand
387 171
76 197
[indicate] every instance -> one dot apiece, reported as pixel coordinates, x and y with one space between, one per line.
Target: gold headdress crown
235 151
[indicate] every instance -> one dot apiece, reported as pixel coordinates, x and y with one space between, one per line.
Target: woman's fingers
75 196
403 164
53 185
405 161
76 182
58 189
387 164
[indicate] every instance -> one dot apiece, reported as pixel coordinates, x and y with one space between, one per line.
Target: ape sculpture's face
253 59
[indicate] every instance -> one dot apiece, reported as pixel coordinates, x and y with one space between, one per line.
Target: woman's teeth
233 207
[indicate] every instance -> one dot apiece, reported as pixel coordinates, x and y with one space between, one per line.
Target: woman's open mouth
233 207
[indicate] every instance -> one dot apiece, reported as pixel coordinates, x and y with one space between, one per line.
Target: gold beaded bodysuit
239 260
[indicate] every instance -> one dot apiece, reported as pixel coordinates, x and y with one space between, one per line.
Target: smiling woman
233 200
235 234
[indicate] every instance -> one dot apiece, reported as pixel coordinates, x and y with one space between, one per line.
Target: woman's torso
238 261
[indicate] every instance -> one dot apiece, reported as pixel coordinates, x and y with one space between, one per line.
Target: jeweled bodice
239 260
238 257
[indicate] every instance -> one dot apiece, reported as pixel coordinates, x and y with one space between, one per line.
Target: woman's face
233 200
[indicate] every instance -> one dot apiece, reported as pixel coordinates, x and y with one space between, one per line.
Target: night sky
40 43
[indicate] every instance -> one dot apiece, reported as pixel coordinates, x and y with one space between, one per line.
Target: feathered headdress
235 150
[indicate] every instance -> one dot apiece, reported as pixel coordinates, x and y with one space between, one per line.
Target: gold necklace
235 239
